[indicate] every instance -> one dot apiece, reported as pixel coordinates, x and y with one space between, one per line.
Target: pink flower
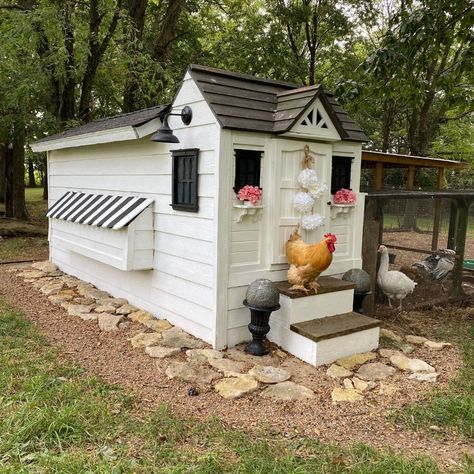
344 196
249 193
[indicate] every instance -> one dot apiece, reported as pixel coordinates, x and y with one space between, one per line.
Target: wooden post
453 219
378 175
437 211
462 220
370 244
411 178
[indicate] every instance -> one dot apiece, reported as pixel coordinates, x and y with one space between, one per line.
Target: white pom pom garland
303 202
317 190
308 178
312 221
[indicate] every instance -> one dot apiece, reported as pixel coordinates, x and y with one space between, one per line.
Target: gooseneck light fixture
165 133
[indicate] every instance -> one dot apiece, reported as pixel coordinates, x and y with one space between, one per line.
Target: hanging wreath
312 188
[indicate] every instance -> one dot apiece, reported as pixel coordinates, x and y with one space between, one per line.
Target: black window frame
185 157
341 172
244 160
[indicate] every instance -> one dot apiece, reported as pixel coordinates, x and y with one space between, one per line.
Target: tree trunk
136 13
45 177
3 155
18 173
31 174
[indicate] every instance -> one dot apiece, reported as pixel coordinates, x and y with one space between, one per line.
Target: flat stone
375 371
158 325
84 300
146 339
109 322
161 352
387 353
176 337
236 387
242 356
392 336
78 309
347 383
411 365
229 367
204 353
45 266
140 316
32 274
192 373
345 395
269 374
105 308
58 299
287 391
415 339
124 325
336 371
52 288
436 346
91 292
69 281
116 302
424 376
353 361
126 309
88 316
362 385
407 348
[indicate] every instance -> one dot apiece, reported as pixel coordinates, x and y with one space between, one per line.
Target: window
247 168
185 180
341 173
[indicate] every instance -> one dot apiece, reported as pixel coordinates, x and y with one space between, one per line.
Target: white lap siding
181 286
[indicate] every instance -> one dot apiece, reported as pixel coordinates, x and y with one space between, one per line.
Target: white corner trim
105 136
148 128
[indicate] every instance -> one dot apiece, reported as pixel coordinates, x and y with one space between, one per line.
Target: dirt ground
111 356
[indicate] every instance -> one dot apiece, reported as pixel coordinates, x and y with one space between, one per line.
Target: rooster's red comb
331 236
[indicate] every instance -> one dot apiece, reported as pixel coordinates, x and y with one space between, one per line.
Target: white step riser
325 351
297 310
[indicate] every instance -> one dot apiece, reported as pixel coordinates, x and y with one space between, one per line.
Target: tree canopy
402 68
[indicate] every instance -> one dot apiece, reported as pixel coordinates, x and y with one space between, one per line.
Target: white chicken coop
160 223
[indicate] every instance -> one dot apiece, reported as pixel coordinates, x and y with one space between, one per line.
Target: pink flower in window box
252 194
344 196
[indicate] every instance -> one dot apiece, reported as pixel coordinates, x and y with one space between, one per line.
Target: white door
289 157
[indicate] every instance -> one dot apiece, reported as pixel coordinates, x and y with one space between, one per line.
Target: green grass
453 407
55 419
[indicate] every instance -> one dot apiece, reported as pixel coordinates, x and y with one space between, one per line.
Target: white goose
394 284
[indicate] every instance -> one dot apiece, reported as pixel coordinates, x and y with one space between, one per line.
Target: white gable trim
104 136
314 123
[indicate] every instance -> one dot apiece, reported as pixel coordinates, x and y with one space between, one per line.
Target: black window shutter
341 173
247 168
184 193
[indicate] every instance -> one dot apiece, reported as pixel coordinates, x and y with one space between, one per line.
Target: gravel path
111 356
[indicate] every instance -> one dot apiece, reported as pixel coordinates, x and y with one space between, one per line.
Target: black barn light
165 133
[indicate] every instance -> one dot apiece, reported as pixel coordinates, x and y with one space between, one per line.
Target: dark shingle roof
245 102
131 119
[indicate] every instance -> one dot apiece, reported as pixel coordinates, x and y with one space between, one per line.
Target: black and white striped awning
101 210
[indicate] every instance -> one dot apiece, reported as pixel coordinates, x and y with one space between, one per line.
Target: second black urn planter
258 327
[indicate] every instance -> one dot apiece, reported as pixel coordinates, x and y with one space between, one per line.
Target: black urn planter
358 301
258 327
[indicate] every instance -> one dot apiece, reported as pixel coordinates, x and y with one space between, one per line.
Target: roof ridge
241 75
315 87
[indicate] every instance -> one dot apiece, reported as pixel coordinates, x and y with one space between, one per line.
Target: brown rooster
308 261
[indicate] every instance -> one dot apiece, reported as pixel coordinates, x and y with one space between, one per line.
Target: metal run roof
394 160
101 210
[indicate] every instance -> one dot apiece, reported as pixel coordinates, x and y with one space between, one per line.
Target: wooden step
334 326
327 285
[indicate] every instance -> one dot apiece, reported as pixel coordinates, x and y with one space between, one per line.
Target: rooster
308 261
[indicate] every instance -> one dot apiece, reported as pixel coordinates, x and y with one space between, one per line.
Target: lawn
55 419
